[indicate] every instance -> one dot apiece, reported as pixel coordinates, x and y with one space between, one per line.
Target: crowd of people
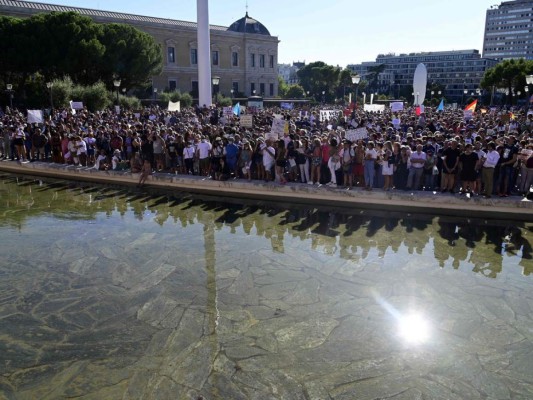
489 153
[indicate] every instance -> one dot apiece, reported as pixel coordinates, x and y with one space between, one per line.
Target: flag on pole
237 109
471 106
441 105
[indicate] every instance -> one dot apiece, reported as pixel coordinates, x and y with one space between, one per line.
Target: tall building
509 30
289 72
453 71
244 55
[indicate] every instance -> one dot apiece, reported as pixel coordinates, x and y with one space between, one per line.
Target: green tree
372 76
319 77
282 87
508 74
130 54
294 92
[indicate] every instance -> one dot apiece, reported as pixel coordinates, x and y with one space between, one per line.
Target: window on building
194 89
252 89
252 60
172 85
194 56
235 59
271 89
171 55
262 89
235 87
271 62
214 57
261 61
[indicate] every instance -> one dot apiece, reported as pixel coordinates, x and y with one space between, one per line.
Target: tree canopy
508 74
55 45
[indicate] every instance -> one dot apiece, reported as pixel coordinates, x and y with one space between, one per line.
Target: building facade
509 30
452 71
289 72
244 55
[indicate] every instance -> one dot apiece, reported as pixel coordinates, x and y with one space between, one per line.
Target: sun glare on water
413 328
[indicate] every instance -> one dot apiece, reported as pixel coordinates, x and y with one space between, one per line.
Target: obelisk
204 53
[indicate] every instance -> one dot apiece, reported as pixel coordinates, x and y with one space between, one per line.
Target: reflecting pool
108 293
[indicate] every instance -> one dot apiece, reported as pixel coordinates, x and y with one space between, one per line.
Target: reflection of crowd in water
350 236
490 154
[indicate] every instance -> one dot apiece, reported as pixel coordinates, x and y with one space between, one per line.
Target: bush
62 92
222 101
129 103
186 100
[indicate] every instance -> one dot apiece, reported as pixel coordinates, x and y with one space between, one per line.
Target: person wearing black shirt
507 169
450 162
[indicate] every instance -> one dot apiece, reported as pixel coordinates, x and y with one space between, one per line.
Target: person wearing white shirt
489 163
371 156
203 151
417 161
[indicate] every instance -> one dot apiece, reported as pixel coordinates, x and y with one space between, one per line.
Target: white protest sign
174 106
227 111
247 121
35 117
117 109
467 114
329 114
375 107
278 128
76 105
356 134
396 106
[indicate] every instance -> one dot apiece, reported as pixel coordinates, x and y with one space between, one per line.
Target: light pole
355 80
116 83
123 91
9 88
215 80
155 94
465 91
49 85
432 93
323 96
231 91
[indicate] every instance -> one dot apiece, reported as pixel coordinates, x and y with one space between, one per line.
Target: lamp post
355 80
116 83
49 85
432 93
465 91
231 91
323 96
215 80
123 91
9 88
155 94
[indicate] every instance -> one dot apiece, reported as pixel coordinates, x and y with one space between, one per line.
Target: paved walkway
514 207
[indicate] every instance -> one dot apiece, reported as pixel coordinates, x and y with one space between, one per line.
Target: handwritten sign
247 121
278 128
356 134
396 106
329 114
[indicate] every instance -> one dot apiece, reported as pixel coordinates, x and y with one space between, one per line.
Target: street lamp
432 93
123 91
355 80
155 94
116 83
465 92
215 80
49 85
231 91
9 88
323 96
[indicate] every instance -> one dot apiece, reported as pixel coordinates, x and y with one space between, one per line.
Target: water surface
107 293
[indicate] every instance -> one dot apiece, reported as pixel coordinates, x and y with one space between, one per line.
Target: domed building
244 55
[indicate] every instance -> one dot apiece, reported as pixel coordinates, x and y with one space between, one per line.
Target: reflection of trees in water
350 234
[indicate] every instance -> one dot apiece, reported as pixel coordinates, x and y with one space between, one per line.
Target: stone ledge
417 201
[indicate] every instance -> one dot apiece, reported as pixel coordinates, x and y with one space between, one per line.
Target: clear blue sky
338 32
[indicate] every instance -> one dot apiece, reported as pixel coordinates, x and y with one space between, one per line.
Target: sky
338 32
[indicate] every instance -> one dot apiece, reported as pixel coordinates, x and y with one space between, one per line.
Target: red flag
471 106
418 110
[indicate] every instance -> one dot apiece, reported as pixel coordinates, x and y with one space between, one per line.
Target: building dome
248 25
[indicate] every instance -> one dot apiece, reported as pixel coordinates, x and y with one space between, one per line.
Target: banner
356 134
467 114
374 107
247 121
278 128
329 114
76 105
174 106
287 106
35 117
396 106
